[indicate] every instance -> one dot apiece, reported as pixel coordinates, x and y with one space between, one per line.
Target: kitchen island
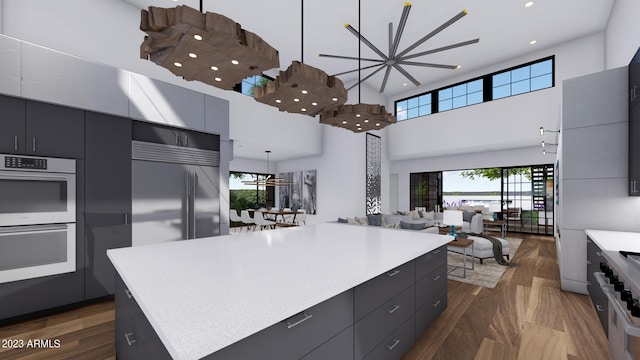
243 295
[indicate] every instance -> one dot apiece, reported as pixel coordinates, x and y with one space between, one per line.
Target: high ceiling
505 28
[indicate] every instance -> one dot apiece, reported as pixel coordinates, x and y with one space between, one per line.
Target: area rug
488 274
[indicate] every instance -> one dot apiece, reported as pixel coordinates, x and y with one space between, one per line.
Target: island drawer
297 335
430 285
373 293
394 346
428 262
339 347
430 311
378 324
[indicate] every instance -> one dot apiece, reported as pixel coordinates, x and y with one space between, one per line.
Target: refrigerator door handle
187 207
193 195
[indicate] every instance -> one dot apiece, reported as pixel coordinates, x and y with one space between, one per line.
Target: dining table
276 212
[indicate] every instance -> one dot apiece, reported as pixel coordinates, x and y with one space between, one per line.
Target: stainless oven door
34 251
31 198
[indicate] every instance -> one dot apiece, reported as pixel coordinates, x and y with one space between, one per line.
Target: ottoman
483 248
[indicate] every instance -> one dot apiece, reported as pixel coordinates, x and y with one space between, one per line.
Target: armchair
475 226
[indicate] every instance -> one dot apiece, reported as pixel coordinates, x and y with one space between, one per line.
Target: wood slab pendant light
207 47
302 89
358 117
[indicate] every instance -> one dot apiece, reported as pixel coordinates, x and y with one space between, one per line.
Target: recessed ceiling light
177 64
366 120
217 79
357 115
197 37
278 101
528 4
344 121
532 42
404 84
377 124
235 62
296 99
359 129
303 109
314 103
192 55
214 68
305 92
334 99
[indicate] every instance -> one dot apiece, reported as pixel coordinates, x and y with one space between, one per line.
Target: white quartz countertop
615 240
202 295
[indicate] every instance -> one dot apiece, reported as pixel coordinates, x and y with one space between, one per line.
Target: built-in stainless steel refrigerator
175 193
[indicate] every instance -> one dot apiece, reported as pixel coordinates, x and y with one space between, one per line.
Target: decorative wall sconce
543 130
210 47
303 89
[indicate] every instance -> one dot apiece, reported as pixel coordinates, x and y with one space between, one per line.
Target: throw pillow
429 215
375 219
414 215
362 221
468 215
342 221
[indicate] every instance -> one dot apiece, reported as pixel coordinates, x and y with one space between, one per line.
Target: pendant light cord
201 5
302 31
359 52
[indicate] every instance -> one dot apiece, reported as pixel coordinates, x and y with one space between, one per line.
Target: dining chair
247 219
264 223
301 217
233 216
287 219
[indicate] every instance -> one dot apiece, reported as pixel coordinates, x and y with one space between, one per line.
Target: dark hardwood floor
526 316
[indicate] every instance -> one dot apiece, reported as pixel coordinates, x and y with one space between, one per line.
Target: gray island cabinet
328 291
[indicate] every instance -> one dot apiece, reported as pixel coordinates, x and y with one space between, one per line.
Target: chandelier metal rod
449 47
403 22
434 32
413 63
354 70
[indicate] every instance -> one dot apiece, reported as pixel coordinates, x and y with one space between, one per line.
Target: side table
464 244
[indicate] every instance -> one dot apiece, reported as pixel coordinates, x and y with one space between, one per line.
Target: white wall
622 38
501 124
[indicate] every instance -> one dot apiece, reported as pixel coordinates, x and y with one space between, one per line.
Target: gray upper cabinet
12 125
634 129
107 197
53 130
40 129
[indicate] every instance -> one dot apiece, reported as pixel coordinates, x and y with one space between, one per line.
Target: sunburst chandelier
396 60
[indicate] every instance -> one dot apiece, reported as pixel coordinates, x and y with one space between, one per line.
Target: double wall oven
37 217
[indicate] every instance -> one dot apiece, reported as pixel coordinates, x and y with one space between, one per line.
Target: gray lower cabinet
390 305
598 298
108 197
634 128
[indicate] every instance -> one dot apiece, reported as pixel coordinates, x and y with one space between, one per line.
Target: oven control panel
25 163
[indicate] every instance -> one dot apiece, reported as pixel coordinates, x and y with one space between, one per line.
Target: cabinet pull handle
130 341
436 303
15 142
126 219
393 273
599 308
436 278
395 342
128 292
305 318
393 309
33 144
186 140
